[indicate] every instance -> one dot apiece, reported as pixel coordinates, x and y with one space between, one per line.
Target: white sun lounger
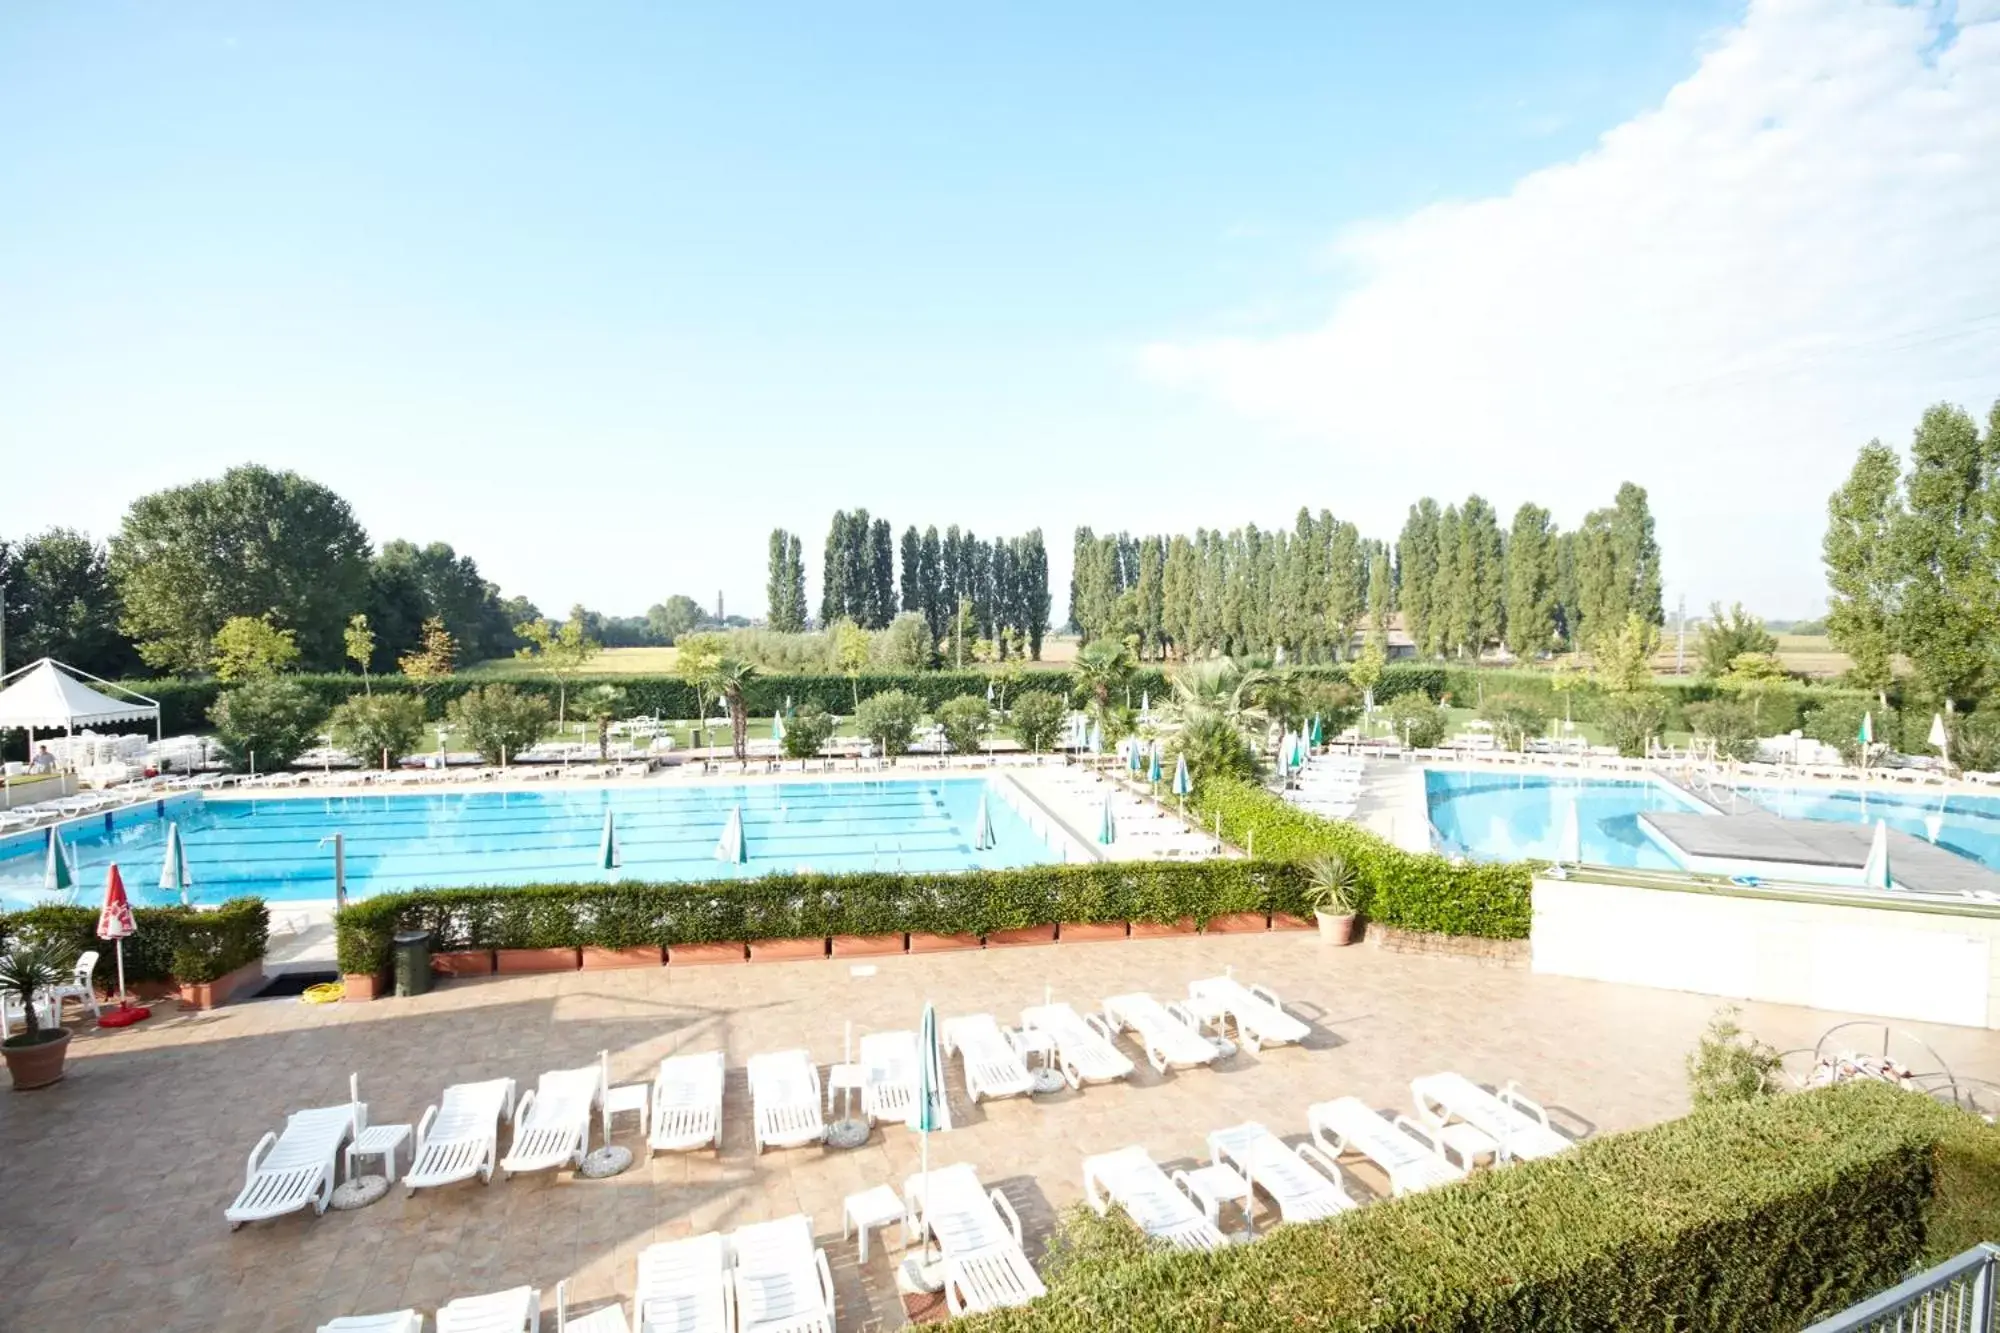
782 1281
889 1086
687 1103
1083 1047
552 1122
1167 1031
1131 1179
684 1287
1260 1018
994 1065
1407 1153
979 1235
604 1319
459 1138
1517 1125
516 1310
1286 1174
399 1321
784 1100
290 1170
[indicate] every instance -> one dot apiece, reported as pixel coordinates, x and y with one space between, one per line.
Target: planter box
463 963
144 990
786 951
357 987
209 994
1286 921
923 943
1146 930
862 946
1002 939
695 955
1084 932
1237 923
513 961
639 955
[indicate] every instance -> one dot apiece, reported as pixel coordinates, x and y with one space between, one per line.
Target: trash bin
413 962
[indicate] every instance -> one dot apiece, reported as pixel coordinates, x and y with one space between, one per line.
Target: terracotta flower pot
1003 939
1143 930
1335 929
640 955
38 1065
786 951
514 961
686 955
358 987
1237 923
1286 921
921 942
1084 932
463 963
860 946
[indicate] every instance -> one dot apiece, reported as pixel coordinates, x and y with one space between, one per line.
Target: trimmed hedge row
1413 891
1779 711
1762 1215
793 906
172 943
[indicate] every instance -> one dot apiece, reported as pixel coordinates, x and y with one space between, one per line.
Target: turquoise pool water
1967 825
1510 816
271 846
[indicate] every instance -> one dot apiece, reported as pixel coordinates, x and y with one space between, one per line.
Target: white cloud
1798 249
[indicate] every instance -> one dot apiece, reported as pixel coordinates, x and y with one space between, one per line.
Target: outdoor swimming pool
271 846
1967 825
1512 816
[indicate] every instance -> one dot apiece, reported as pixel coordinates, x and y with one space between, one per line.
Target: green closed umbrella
174 874
982 828
1108 832
778 727
1317 738
731 846
59 876
1153 774
607 846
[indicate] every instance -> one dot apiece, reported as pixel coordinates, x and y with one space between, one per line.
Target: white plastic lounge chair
784 1100
459 1137
782 1281
994 1065
979 1235
1259 1016
552 1122
687 1103
1167 1031
604 1319
684 1287
516 1310
1131 1179
1410 1156
1084 1051
1286 1174
290 1170
81 985
1517 1125
401 1321
889 1086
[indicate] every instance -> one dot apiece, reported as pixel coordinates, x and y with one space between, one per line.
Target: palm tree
602 705
1224 688
1102 667
728 679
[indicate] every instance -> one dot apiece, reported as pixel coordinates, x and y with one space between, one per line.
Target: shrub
269 720
906 645
1756 1216
1627 720
172 943
1975 739
1038 716
965 720
1728 1064
1730 723
807 730
890 720
1516 719
1418 720
499 720
1213 748
1837 722
378 728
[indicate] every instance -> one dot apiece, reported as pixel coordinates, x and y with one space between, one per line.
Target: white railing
1954 1297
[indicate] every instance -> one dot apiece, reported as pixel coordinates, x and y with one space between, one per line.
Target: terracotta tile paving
114 1182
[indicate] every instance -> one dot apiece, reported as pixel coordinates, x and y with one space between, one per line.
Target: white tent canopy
48 696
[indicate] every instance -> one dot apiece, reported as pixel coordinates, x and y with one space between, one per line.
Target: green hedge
171 944
1779 711
1750 1216
1413 891
792 906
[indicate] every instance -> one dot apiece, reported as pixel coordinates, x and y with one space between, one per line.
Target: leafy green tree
1726 636
602 704
906 644
249 647
499 721
680 615
409 584
1731 724
966 720
559 652
1102 668
695 661
1366 672
1037 718
807 731
1416 719
432 660
360 642
1947 615
729 679
851 650
1837 722
786 591
1381 595
60 602
1334 704
1417 559
378 727
1531 583
266 720
1516 719
1975 740
1629 718
1623 654
1864 567
250 543
889 719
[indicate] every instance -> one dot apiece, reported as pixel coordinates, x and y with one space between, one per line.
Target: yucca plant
24 974
1330 886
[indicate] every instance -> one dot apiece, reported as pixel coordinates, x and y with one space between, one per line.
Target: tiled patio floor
114 1182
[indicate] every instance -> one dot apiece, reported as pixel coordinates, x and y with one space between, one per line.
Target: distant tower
718 606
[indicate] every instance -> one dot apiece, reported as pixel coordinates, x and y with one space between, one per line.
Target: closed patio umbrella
982 828
174 869
778 728
1107 832
115 923
59 876
607 845
730 847
1875 874
1569 846
1153 773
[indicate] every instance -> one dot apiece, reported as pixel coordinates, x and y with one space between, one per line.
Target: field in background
1056 652
1807 654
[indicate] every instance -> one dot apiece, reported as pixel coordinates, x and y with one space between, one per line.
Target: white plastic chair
81 985
687 1103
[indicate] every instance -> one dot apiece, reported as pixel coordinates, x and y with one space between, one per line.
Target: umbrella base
847 1134
124 1016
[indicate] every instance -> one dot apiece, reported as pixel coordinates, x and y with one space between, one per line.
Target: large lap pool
272 846
1512 816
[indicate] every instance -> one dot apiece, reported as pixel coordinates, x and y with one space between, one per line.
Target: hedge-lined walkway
119 1175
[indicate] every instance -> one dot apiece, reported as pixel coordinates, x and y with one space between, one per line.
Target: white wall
1826 955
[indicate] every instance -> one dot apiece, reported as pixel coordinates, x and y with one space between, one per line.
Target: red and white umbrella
114 922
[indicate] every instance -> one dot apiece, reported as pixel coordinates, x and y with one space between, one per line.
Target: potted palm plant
1330 893
35 1056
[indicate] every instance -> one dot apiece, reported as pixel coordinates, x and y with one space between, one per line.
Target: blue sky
600 295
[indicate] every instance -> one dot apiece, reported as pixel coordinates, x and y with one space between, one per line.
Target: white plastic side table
1214 1185
378 1141
872 1208
626 1097
847 1080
